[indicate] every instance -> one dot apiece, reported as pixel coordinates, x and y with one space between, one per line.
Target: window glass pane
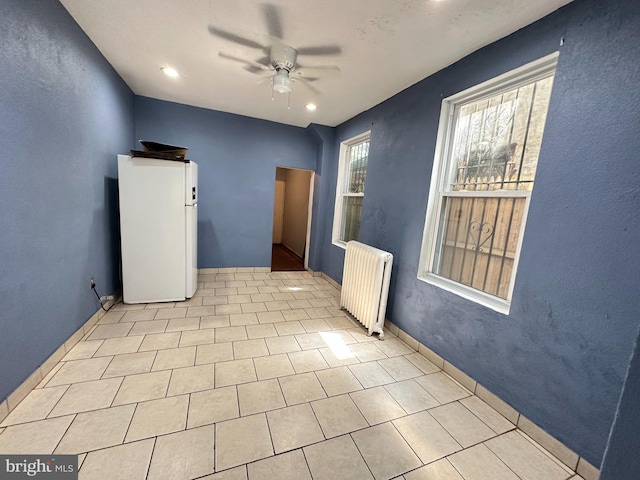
351 212
357 168
497 140
478 241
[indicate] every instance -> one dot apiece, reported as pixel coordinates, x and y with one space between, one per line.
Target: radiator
365 285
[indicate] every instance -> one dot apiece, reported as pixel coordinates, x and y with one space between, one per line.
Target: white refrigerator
158 229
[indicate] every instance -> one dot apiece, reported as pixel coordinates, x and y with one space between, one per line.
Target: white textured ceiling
385 46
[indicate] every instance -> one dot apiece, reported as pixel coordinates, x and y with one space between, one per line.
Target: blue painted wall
65 114
561 355
237 158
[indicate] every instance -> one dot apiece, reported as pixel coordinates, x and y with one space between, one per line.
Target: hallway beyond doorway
284 260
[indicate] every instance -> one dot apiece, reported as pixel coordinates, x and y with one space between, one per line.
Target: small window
352 172
486 157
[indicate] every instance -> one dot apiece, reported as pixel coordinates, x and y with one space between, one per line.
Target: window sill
340 243
489 301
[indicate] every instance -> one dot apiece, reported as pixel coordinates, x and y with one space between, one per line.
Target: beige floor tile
400 368
236 319
110 331
371 374
338 355
250 348
337 381
125 462
182 455
261 297
279 296
85 396
411 396
157 417
249 307
145 386
340 323
426 436
422 362
227 309
300 303
217 352
130 364
377 405
151 326
120 307
80 371
297 314
289 328
309 341
34 438
338 415
212 406
214 321
227 291
248 291
362 336
525 458
256 397
273 366
285 344
315 325
174 358
35 406
338 337
367 352
301 388
196 337
479 463
96 429
83 350
442 387
270 317
160 341
160 305
293 427
320 302
277 306
338 458
139 315
191 379
488 415
440 470
464 426
176 312
398 457
261 331
238 473
111 317
192 302
230 334
288 466
242 440
215 300
201 311
181 324
234 372
393 347
119 346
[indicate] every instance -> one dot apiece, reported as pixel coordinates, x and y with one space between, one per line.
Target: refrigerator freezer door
191 183
152 229
192 250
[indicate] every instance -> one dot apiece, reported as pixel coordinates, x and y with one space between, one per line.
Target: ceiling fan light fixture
282 82
310 106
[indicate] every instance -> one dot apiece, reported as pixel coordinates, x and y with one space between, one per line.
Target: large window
486 157
352 172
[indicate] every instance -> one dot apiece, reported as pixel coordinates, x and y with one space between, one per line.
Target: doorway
291 219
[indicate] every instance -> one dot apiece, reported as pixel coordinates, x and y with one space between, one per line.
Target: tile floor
262 376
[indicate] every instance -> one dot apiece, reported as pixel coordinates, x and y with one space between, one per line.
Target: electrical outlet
93 284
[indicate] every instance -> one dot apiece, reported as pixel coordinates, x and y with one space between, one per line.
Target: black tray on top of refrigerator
161 151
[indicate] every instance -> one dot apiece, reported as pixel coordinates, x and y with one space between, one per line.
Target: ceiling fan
281 60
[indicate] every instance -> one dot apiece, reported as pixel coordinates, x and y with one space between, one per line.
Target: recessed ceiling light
170 72
310 106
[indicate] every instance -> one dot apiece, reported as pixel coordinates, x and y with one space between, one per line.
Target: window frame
438 190
343 167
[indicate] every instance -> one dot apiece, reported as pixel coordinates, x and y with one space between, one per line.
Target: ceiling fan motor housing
283 57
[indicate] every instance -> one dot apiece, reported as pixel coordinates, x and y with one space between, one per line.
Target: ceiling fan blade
272 15
232 37
306 85
324 71
248 63
254 69
321 50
